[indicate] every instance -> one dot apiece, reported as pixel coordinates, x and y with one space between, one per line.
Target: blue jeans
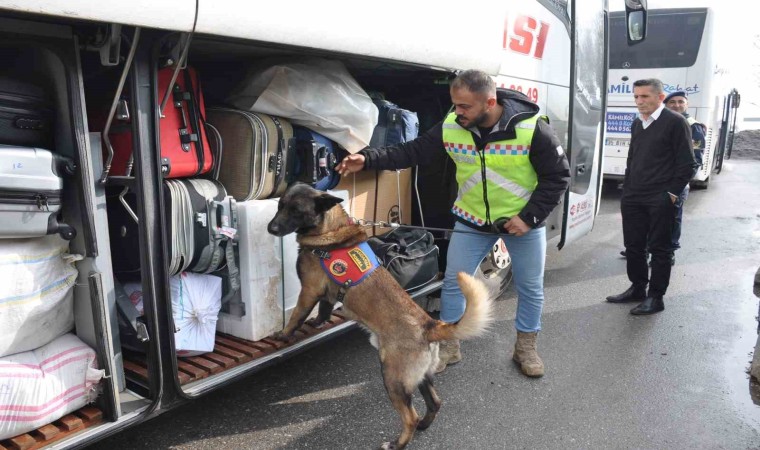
528 253
676 238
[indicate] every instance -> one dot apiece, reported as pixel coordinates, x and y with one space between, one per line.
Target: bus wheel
495 271
696 184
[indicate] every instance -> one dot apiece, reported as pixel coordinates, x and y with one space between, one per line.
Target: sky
738 41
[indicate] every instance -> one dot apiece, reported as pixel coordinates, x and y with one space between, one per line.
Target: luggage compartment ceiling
414 32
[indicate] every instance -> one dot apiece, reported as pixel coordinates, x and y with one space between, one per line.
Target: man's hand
350 164
673 198
516 226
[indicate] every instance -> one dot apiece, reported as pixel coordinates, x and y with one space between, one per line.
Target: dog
404 334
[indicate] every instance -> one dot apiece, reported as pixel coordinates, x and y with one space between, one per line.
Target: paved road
673 380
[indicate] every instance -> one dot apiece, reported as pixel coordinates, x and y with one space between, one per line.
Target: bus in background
680 51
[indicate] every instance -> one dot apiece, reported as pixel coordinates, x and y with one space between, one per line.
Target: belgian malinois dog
405 335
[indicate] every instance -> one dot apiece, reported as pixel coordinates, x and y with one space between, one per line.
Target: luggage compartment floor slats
47 434
229 351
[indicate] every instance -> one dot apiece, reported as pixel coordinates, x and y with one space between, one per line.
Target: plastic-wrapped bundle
40 386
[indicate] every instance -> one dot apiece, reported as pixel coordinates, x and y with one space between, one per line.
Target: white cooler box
269 284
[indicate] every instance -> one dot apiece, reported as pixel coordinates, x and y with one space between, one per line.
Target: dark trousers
648 224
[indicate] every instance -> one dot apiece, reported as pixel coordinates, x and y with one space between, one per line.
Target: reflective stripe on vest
510 176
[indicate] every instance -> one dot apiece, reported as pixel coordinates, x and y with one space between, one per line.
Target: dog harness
348 266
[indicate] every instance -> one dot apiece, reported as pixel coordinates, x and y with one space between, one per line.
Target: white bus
81 52
679 50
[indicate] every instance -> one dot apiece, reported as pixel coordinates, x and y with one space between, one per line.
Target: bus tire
697 184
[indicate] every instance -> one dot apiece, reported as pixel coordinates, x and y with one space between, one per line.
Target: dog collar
348 266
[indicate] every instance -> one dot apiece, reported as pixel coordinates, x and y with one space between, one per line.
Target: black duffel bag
410 255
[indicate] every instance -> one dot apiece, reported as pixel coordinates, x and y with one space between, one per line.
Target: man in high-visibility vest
512 172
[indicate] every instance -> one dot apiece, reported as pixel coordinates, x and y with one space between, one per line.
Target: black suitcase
26 114
201 217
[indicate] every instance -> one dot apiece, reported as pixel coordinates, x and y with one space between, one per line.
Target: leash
498 225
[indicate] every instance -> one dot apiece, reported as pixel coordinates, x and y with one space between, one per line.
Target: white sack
36 299
318 94
43 385
196 302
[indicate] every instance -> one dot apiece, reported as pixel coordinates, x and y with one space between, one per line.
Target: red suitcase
185 150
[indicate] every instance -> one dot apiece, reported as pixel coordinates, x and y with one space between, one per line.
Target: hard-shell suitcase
316 158
31 181
256 151
394 124
185 150
26 114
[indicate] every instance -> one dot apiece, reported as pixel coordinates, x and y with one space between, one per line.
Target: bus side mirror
636 19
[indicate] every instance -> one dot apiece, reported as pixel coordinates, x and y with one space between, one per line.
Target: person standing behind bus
509 165
659 166
677 102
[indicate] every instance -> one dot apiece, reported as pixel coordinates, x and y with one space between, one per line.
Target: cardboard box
379 196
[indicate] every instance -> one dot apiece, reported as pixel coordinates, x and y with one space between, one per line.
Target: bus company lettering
621 88
627 88
690 90
526 36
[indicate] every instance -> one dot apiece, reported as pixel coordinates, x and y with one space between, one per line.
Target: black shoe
651 305
632 294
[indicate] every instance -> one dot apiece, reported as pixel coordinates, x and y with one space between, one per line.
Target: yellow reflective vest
509 176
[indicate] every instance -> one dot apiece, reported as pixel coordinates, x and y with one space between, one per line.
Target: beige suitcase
256 152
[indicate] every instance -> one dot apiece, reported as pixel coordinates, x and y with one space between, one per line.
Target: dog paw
388 446
282 337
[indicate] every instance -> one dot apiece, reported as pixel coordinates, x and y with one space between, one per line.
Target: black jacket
546 155
660 157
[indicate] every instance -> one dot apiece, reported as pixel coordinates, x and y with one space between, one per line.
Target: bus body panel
164 14
412 32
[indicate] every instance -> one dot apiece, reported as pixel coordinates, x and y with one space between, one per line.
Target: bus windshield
673 38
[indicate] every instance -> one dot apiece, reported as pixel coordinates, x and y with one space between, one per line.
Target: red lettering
541 40
526 31
523 29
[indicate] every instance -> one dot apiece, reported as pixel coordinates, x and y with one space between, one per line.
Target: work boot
448 353
526 355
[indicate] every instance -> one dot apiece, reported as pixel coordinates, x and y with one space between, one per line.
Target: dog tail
478 313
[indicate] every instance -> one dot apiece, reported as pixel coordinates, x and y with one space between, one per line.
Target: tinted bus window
672 41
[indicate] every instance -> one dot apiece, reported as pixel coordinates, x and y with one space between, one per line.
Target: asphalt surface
673 380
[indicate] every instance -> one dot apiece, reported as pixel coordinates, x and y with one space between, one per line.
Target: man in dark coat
659 166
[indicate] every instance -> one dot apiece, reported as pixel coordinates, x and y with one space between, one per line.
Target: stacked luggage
45 370
224 168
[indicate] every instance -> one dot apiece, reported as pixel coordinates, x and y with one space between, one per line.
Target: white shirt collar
652 117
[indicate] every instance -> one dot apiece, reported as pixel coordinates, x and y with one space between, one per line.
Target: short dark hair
475 81
653 82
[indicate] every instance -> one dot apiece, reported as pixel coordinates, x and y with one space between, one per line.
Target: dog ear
324 202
